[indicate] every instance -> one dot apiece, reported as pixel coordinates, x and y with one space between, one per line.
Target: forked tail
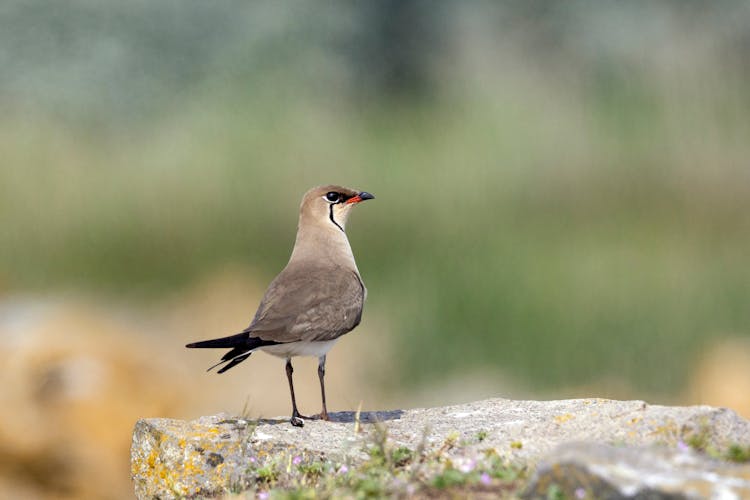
242 345
237 340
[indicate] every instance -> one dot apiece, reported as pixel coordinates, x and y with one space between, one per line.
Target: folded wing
309 303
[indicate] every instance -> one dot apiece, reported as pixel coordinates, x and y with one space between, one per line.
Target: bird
317 298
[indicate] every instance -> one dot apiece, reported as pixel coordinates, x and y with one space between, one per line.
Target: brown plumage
317 297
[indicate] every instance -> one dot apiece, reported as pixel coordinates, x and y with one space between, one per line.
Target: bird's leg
296 417
321 375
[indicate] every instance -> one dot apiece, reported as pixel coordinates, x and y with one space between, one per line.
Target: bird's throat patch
330 216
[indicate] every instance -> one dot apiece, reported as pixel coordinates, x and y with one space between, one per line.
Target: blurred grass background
563 189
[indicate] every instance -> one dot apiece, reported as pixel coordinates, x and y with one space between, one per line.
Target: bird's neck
323 244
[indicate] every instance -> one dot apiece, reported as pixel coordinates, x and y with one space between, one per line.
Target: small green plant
300 494
401 456
738 453
699 439
482 435
377 457
236 488
267 474
504 472
378 454
312 470
369 487
448 478
554 492
450 442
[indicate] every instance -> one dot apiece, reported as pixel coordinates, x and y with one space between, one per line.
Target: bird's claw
297 418
318 416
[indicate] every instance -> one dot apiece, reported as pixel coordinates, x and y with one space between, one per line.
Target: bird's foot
317 416
298 419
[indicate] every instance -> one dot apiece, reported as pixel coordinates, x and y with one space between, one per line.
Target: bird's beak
364 195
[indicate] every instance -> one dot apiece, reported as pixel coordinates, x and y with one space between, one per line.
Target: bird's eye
333 196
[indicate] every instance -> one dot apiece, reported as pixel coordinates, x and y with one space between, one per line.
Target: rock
73 382
213 455
590 470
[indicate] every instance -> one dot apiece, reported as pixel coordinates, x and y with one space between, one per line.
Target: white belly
303 348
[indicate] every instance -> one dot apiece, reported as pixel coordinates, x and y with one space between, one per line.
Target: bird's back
310 302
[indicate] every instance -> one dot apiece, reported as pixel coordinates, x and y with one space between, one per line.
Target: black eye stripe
330 215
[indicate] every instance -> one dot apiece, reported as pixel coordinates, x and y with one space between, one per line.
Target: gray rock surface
591 470
212 455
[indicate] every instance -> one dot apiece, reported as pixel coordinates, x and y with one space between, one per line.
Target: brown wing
304 303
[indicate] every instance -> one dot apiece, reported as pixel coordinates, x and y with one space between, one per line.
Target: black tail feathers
234 361
237 340
242 345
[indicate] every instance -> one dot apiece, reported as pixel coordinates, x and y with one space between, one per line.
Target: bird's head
329 206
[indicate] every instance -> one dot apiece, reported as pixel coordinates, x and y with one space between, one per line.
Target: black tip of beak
364 195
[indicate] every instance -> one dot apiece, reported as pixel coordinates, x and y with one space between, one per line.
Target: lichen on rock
215 455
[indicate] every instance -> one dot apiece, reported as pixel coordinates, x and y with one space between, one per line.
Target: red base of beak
364 195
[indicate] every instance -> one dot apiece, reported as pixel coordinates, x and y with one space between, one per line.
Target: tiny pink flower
485 479
297 460
682 446
343 469
263 495
467 467
580 493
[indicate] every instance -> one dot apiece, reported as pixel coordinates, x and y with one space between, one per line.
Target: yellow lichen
561 419
151 460
668 429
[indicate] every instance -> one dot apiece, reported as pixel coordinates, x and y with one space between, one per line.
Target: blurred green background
563 188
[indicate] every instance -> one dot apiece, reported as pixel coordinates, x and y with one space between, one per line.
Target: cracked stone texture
592 470
212 455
